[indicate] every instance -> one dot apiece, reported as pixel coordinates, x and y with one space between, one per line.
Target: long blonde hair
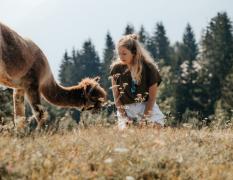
141 55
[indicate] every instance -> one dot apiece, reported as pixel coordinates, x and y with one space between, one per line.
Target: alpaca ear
97 78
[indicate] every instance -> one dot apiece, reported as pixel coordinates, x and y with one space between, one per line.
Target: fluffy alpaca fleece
24 67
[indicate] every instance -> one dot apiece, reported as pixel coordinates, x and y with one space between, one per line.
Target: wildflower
125 84
108 160
121 150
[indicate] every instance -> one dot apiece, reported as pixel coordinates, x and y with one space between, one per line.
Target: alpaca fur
24 68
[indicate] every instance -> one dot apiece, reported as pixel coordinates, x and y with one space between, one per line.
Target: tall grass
96 149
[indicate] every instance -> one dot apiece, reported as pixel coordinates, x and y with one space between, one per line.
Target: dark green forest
197 74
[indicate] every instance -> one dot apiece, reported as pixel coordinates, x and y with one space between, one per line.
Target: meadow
100 151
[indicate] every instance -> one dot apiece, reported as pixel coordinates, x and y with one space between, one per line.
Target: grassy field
104 152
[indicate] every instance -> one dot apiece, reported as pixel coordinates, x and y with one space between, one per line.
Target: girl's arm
116 97
151 100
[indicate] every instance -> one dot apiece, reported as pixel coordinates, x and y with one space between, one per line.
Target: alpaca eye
95 99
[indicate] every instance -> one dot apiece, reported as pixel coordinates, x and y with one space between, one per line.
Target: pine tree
65 69
217 52
158 45
162 44
129 29
151 46
143 35
78 68
225 104
190 49
83 63
90 60
107 60
186 73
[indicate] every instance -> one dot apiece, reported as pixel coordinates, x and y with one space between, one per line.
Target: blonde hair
141 55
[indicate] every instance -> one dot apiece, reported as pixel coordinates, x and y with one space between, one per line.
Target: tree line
197 76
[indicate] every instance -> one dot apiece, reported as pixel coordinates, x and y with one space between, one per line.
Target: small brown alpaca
24 68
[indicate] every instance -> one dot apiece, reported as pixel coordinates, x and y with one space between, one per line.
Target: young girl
135 81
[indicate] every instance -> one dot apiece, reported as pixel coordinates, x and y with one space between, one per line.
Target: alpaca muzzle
94 106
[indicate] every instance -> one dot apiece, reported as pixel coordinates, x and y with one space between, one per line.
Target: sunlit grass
100 151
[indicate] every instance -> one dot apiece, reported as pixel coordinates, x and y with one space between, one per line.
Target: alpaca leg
38 110
19 109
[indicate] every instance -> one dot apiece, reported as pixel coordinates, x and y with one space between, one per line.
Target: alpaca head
95 95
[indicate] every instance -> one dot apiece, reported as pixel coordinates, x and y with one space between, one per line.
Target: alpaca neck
63 96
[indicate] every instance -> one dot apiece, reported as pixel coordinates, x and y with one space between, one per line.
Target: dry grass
99 152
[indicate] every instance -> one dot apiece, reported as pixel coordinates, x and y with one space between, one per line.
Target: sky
59 25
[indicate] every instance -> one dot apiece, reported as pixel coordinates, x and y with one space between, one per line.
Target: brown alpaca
24 67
